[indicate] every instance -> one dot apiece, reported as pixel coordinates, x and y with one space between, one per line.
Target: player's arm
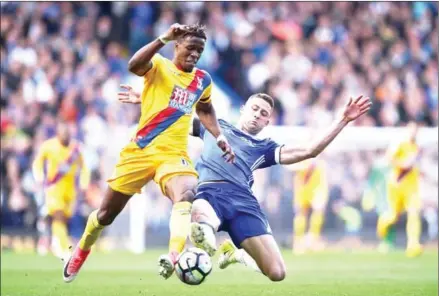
352 110
295 167
206 114
38 164
195 129
140 62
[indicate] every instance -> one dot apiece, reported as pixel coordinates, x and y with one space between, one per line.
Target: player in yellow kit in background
172 91
403 191
310 193
56 167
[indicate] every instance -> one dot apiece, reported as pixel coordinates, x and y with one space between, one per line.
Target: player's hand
224 145
356 108
174 32
128 95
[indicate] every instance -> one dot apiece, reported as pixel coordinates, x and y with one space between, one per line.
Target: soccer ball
193 266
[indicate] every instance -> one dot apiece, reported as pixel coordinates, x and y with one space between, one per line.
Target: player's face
255 115
63 133
188 51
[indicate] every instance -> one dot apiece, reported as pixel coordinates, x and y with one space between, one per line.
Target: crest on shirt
182 99
199 82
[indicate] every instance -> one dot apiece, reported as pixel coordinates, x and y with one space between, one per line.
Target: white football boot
166 264
203 237
227 256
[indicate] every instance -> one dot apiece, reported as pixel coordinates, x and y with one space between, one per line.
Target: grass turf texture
325 274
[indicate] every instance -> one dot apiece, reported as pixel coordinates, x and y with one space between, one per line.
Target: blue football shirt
251 154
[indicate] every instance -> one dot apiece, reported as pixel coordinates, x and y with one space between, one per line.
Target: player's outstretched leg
181 190
111 206
205 223
265 252
203 237
230 254
414 247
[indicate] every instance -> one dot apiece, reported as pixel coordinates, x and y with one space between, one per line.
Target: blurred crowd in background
67 60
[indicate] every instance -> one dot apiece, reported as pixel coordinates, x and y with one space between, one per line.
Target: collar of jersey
181 72
256 137
243 132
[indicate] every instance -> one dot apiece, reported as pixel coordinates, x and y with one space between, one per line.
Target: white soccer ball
193 266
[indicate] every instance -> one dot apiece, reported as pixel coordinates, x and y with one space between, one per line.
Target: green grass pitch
325 274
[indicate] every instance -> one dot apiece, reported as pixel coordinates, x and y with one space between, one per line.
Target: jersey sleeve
205 96
198 129
271 154
157 66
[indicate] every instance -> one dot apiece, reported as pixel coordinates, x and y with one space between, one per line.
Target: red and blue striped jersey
169 98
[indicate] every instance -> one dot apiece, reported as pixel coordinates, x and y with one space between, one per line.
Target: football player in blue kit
224 199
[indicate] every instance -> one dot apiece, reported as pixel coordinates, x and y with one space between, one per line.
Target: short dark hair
265 97
196 30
